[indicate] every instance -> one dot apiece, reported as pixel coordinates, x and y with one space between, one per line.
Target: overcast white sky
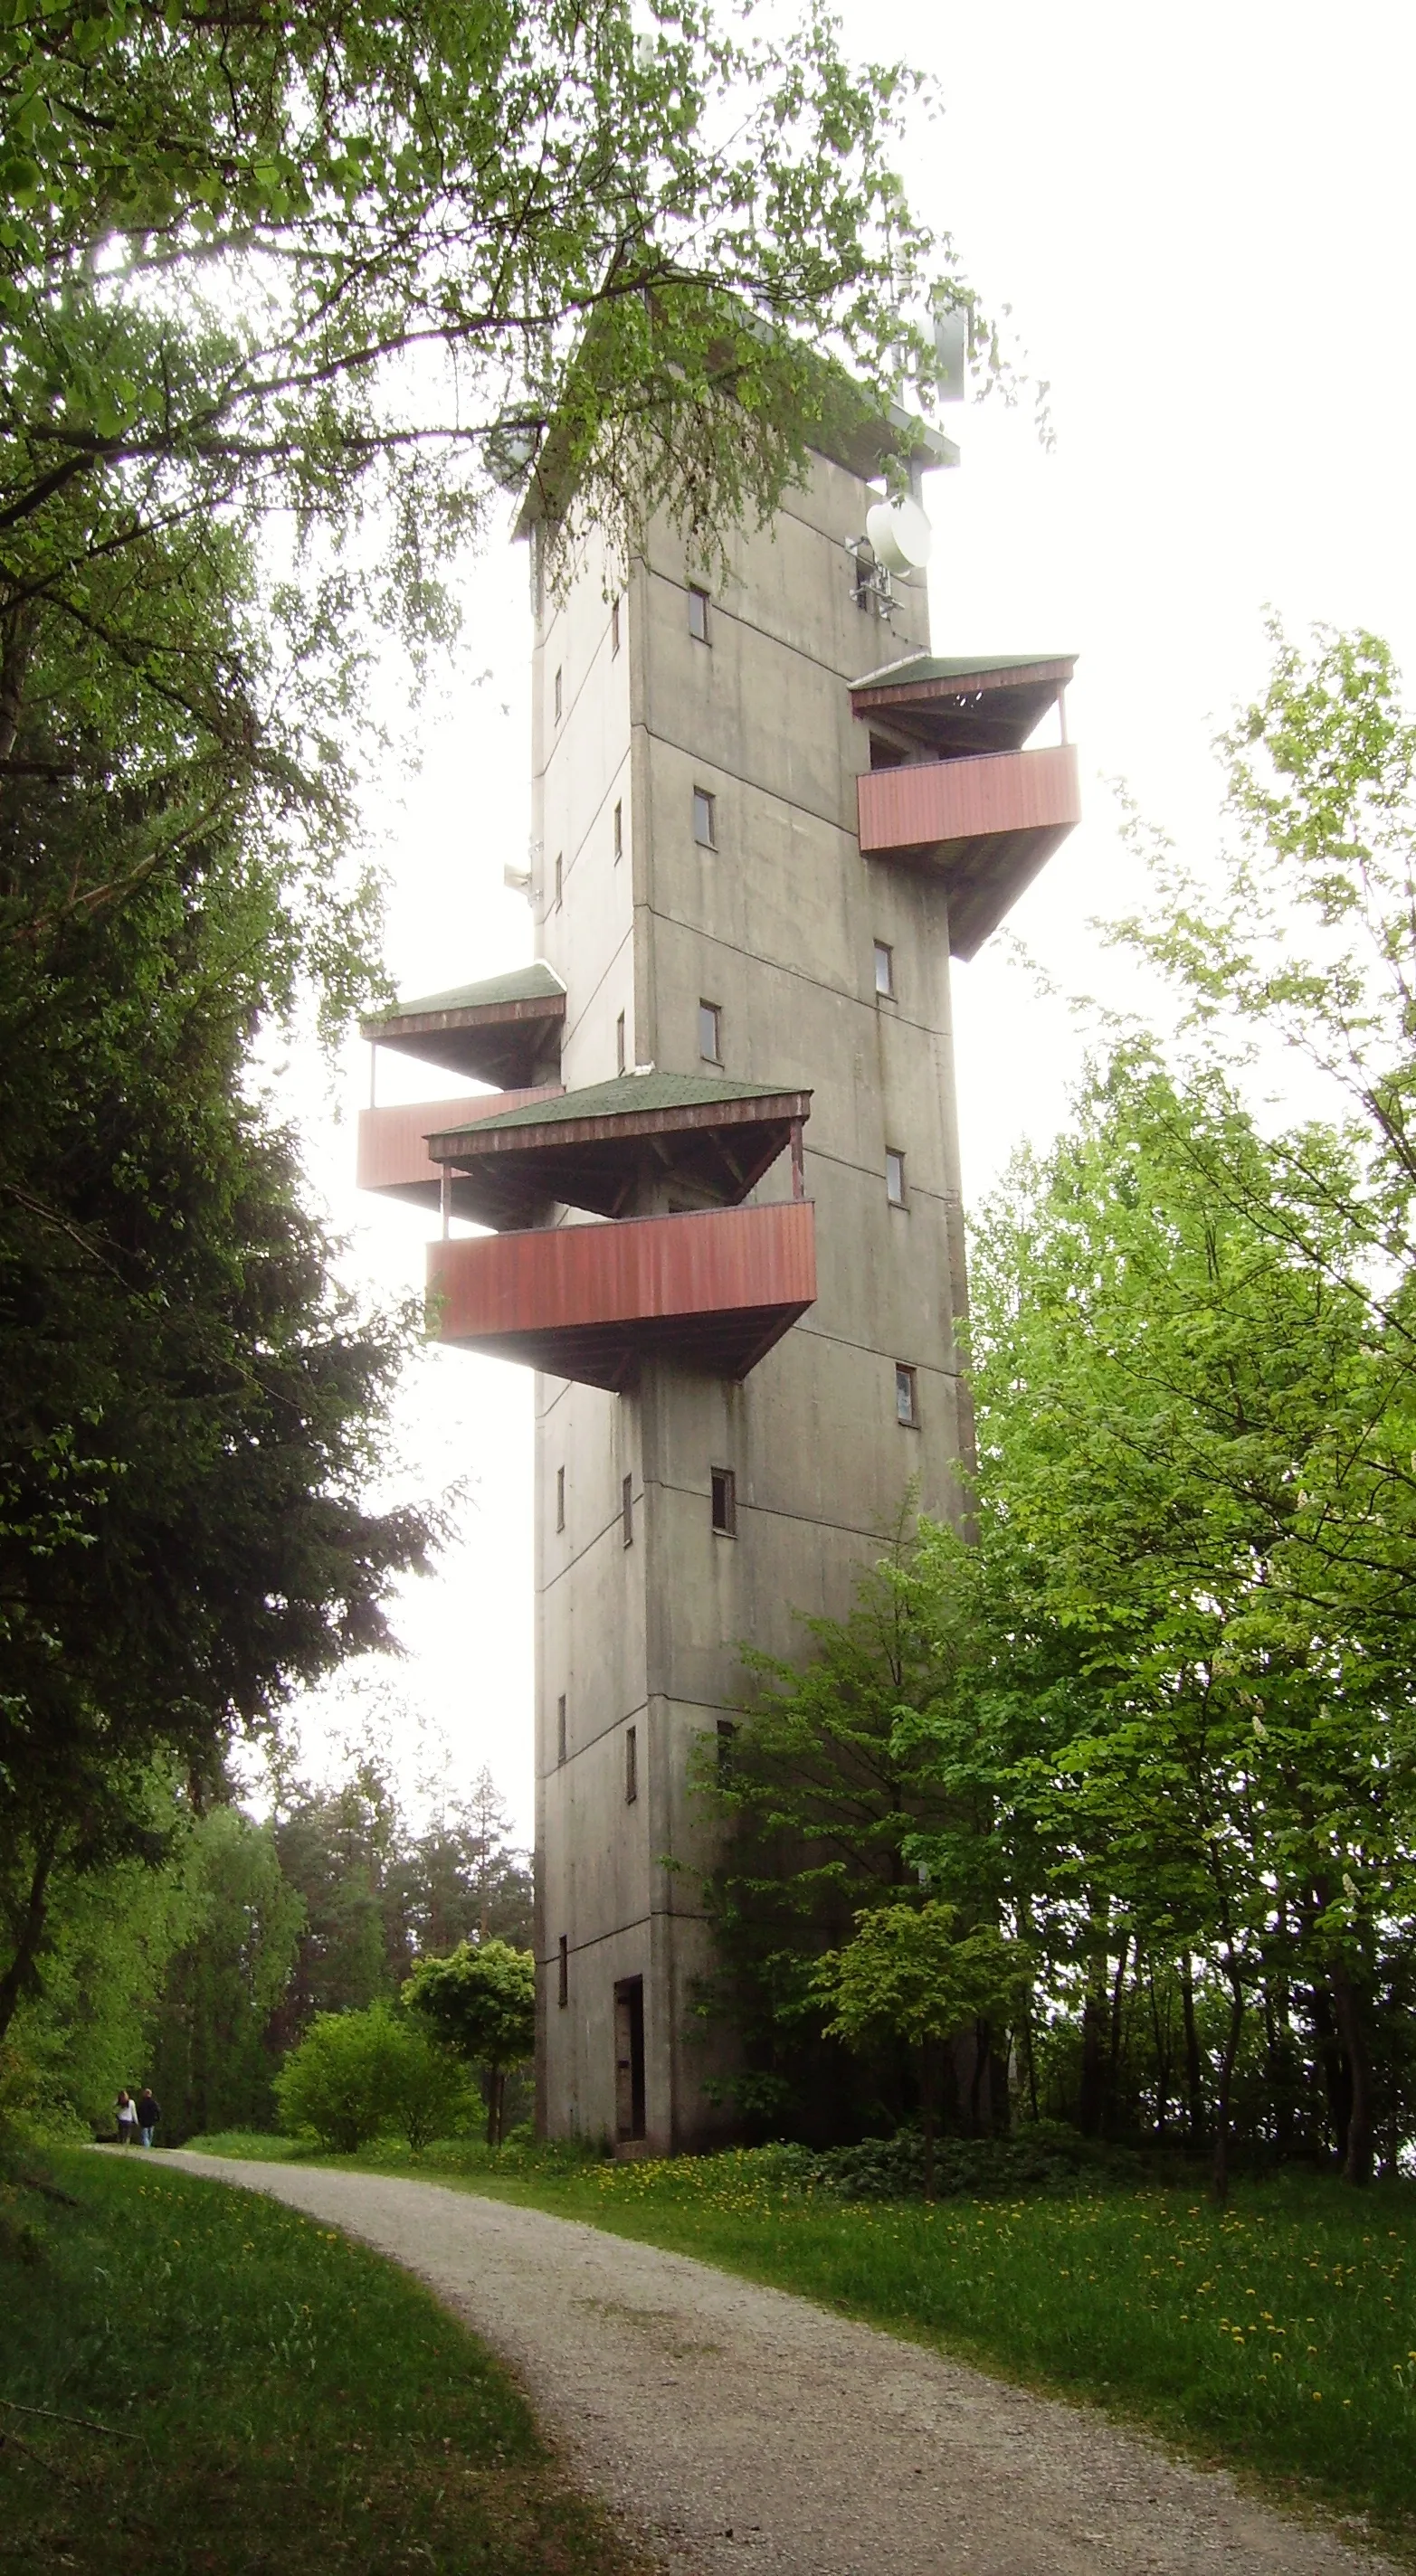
1202 221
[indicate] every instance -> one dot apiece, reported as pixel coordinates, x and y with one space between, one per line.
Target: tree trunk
1357 2161
29 1934
1161 2037
1194 2080
982 2068
1337 2070
1094 2025
928 2108
1111 2090
1226 2079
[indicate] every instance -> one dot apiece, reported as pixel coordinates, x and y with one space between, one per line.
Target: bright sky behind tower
1203 223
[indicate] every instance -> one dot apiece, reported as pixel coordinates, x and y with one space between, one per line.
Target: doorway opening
629 2058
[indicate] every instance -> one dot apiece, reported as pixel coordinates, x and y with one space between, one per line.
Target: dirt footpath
748 2433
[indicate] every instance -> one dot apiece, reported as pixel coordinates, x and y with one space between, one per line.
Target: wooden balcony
393 1142
987 823
714 1289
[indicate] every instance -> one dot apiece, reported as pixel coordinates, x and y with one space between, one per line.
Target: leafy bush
894 2168
434 2098
356 2073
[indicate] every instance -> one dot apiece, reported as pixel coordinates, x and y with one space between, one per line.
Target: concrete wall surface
776 925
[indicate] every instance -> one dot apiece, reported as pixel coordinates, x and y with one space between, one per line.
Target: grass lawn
1277 2336
201 2383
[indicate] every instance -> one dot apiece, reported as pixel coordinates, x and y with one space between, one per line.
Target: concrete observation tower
721 1176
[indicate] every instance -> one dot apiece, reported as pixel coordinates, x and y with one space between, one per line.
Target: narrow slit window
627 1511
727 1737
884 970
894 1177
710 1032
619 1044
619 831
698 613
559 695
906 1397
614 625
560 1730
560 1498
560 871
631 1765
724 1485
563 1986
705 819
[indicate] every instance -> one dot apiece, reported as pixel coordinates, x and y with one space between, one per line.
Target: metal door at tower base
629 2058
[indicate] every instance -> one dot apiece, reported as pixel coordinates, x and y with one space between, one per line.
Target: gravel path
748 2433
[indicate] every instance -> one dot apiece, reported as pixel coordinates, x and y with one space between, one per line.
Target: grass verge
212 2385
1276 2337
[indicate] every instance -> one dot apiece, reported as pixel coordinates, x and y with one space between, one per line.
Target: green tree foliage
909 1974
820 1794
342 262
208 2049
480 2002
357 2074
112 1934
286 299
378 1894
1164 1703
189 1405
339 1847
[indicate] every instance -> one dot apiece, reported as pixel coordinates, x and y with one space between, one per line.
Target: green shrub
357 2073
434 2097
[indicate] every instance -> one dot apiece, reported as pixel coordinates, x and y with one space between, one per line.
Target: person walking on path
127 2118
148 2114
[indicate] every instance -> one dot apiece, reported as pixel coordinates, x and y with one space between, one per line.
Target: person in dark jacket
148 2115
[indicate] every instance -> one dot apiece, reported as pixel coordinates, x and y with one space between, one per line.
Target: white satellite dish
899 535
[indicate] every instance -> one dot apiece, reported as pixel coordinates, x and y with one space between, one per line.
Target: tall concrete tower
722 1175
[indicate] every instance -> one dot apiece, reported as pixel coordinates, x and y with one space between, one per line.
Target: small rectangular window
727 1737
894 1177
560 1729
724 1502
560 1498
614 625
559 695
619 1044
710 1032
619 831
705 819
627 1510
631 1765
559 874
563 1988
884 969
697 613
906 1397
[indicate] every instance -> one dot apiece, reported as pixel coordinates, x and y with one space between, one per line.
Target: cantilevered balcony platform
950 786
715 1289
988 824
506 1031
393 1143
613 1147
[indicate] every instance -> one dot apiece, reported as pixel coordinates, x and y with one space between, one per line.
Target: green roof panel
534 983
917 667
629 1095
